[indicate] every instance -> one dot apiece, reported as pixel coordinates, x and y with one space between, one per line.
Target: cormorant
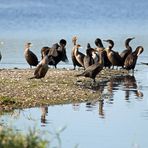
100 48
58 52
131 60
77 56
30 57
44 51
42 67
128 49
88 60
94 69
113 56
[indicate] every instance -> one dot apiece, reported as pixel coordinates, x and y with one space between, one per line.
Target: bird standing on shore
112 55
128 49
30 57
88 59
42 67
58 52
100 48
94 69
131 60
76 55
44 51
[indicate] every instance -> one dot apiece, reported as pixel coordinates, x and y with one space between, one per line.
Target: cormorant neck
100 45
127 42
101 59
110 46
27 49
76 49
128 46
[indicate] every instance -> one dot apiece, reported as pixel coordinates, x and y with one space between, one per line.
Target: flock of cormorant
93 61
99 57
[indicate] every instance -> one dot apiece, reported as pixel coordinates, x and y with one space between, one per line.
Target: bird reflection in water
76 106
126 83
112 87
108 89
91 105
130 85
44 112
101 110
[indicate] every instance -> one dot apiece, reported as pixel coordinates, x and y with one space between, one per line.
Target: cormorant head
63 42
28 45
128 40
74 39
98 42
139 50
89 50
88 45
111 43
78 46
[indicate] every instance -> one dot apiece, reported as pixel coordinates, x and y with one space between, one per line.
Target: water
121 119
46 22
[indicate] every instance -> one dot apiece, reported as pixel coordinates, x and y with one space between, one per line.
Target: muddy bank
60 86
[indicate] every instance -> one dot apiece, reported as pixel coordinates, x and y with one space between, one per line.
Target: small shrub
7 100
12 139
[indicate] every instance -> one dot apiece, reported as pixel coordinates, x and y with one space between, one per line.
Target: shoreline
60 86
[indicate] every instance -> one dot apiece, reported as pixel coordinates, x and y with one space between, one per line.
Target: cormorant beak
132 38
28 45
79 46
31 45
105 40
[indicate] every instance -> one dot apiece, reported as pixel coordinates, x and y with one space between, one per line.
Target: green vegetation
12 139
6 100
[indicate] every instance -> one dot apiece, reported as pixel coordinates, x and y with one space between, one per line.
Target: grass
7 101
11 139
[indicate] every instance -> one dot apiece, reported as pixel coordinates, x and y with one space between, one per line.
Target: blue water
119 120
55 17
46 22
123 118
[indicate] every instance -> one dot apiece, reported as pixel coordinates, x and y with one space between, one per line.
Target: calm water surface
120 120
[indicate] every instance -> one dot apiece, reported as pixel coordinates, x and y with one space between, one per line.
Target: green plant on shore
7 100
11 139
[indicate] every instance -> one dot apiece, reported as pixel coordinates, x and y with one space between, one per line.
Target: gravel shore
60 86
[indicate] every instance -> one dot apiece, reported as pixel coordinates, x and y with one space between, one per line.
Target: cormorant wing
53 52
37 69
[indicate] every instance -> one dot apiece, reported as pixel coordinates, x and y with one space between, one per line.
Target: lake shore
60 86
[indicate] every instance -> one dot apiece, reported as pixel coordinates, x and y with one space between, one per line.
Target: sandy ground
60 86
